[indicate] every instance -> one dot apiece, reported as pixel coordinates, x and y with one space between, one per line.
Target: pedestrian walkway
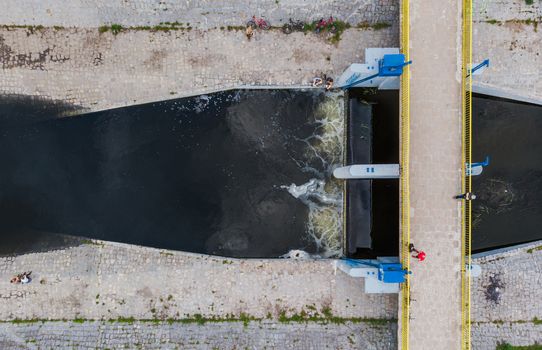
435 174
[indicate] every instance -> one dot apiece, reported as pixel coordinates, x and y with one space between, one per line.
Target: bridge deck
435 173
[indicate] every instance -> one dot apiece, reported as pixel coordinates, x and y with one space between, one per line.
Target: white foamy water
322 194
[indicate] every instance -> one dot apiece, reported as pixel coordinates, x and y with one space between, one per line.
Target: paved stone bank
486 336
506 298
109 280
198 13
508 33
106 281
502 10
143 335
98 71
510 287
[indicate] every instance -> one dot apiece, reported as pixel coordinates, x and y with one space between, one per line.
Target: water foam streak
323 194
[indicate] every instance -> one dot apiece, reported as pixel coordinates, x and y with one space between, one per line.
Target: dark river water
508 209
241 173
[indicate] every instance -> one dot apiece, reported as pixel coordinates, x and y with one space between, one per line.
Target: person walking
468 196
420 254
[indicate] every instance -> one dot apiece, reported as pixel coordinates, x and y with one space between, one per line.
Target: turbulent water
240 173
323 194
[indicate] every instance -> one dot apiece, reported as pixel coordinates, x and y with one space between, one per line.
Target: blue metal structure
475 169
387 272
390 65
485 63
484 163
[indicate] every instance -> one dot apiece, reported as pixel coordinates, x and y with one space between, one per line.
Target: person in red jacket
420 254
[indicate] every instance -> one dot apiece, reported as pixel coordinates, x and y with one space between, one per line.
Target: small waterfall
323 194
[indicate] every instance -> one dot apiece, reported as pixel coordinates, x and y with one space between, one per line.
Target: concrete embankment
57 52
506 305
97 71
507 32
176 299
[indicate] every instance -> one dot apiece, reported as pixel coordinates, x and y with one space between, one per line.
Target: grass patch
340 27
309 27
164 27
201 320
374 26
527 21
92 242
30 29
381 25
116 28
336 29
507 346
327 317
121 319
493 21
230 28
535 249
245 319
529 2
22 321
534 321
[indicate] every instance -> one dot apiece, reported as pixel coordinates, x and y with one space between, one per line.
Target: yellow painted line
404 181
466 222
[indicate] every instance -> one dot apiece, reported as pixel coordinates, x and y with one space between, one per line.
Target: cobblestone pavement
486 336
145 335
506 298
199 13
510 287
99 71
506 32
502 10
110 280
435 134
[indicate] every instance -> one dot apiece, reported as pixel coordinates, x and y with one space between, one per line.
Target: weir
371 204
359 194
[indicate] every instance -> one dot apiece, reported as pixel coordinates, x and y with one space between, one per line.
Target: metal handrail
404 179
466 181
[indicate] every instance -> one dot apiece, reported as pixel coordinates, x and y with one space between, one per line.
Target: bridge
435 130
